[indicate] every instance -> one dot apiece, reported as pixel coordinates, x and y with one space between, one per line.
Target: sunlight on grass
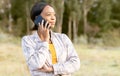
98 62
94 61
12 61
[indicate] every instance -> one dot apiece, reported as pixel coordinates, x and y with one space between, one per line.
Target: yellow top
53 53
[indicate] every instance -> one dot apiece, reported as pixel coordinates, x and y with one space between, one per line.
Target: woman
48 53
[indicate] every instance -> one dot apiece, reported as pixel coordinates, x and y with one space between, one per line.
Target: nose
53 17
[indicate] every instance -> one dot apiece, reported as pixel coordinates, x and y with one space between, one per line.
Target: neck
50 41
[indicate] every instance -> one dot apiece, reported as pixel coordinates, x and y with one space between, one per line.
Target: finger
38 69
39 24
49 26
41 70
46 24
42 23
40 27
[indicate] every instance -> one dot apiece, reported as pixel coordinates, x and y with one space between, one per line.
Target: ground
95 61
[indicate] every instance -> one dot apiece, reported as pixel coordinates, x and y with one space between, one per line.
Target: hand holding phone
44 31
39 20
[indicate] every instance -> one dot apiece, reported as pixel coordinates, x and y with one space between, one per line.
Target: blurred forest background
85 21
92 25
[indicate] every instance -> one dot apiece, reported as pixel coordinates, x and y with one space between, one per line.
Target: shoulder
62 37
28 38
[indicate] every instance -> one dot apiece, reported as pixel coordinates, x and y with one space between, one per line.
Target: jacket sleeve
35 54
72 63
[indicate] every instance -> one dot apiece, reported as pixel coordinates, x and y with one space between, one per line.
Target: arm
35 55
72 63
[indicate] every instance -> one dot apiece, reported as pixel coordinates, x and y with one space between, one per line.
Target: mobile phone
39 20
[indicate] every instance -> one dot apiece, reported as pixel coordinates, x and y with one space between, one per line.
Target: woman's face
49 14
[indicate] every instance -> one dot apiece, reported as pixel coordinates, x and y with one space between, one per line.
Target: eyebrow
50 12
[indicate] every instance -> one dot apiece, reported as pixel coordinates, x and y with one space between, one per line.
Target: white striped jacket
37 54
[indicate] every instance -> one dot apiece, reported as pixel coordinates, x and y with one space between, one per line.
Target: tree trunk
85 18
59 25
60 16
87 4
69 28
27 18
10 23
74 31
10 17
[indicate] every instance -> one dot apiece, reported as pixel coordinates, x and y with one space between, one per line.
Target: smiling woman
48 53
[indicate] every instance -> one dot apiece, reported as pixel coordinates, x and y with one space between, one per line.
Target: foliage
104 13
111 37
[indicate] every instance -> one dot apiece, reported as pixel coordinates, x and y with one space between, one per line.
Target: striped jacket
37 54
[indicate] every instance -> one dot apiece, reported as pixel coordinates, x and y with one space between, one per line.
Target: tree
101 13
105 17
86 5
6 9
18 11
73 17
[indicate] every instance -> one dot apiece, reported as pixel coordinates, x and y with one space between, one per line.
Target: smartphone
39 20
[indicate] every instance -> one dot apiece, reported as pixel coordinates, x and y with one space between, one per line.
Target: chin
52 26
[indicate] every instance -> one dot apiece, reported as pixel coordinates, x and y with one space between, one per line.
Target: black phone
39 20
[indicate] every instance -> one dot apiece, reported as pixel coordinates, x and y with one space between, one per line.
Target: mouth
52 23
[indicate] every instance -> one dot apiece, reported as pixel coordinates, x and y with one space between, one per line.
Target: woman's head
46 11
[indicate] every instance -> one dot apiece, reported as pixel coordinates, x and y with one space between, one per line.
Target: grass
98 61
12 61
95 61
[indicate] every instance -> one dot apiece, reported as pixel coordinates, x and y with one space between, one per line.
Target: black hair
36 10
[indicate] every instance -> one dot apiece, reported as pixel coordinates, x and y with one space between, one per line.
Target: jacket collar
38 39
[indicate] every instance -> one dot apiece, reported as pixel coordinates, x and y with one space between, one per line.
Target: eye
48 14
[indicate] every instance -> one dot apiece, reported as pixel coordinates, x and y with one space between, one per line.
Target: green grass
98 61
12 62
95 61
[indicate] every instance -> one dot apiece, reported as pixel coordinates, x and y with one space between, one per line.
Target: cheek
48 19
55 19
